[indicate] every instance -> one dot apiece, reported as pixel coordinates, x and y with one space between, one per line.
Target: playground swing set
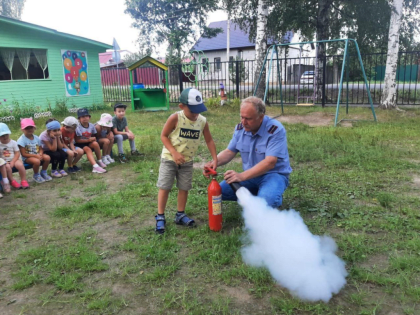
274 49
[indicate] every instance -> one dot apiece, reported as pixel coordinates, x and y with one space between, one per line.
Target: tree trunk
389 95
261 46
322 24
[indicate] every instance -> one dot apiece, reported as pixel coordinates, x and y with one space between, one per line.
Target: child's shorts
82 145
65 150
169 170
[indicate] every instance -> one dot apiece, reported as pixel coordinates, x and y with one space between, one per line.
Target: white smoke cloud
303 263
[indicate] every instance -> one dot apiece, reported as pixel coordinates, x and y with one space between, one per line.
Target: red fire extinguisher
214 192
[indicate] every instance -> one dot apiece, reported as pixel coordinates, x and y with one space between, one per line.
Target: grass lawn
85 244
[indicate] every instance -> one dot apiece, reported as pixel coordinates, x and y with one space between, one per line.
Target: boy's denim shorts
169 170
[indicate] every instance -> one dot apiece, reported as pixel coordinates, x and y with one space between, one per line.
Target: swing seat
304 104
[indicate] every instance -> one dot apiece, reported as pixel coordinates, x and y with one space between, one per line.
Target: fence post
237 78
324 67
181 85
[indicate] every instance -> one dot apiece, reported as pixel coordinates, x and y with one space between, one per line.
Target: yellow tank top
186 137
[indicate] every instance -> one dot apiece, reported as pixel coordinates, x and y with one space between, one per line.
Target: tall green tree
367 21
177 23
12 8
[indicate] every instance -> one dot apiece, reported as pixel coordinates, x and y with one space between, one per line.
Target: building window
217 64
23 64
240 55
205 63
231 62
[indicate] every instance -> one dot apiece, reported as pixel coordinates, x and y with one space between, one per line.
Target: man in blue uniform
262 144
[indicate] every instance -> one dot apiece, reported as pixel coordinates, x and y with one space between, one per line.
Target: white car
307 77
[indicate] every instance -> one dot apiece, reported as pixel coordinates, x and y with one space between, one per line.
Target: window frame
217 64
47 69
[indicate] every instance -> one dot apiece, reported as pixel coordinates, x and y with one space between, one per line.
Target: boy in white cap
181 137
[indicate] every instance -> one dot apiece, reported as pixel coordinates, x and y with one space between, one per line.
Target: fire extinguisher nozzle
235 186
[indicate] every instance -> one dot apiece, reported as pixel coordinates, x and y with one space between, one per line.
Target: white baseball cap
193 99
70 121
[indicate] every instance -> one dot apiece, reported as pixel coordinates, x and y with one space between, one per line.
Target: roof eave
152 60
52 31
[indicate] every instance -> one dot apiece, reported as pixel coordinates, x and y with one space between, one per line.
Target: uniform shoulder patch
272 129
239 126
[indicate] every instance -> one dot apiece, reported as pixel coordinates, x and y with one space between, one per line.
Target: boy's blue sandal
160 224
182 219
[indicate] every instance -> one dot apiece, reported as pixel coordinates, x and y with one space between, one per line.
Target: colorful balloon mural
75 72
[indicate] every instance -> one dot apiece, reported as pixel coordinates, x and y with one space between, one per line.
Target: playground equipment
314 81
149 99
197 68
274 49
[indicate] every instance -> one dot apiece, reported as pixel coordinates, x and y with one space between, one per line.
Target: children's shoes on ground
136 153
15 184
38 178
6 187
54 174
122 158
101 164
46 177
105 160
24 184
110 159
160 223
76 168
63 173
182 219
98 169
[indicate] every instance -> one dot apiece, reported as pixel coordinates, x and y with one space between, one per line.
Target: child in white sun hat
105 137
181 137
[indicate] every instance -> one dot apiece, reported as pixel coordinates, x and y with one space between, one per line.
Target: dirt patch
379 262
416 182
313 119
241 295
317 119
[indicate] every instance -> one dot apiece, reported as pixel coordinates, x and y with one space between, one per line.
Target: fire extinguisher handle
209 171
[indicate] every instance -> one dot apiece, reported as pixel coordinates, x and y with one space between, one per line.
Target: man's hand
232 177
39 156
178 158
91 139
12 164
130 135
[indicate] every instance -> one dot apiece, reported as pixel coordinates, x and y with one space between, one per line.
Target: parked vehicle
307 77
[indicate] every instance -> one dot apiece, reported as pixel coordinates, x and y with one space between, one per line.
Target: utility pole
228 38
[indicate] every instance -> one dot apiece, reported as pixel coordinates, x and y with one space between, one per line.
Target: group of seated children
59 143
180 137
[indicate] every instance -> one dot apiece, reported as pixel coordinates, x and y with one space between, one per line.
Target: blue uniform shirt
269 140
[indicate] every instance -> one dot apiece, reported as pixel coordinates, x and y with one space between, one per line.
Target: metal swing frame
274 49
314 81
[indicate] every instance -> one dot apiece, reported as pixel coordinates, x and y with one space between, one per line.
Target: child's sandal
160 224
182 219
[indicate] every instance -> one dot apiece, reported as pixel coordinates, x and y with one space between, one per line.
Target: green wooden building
39 66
